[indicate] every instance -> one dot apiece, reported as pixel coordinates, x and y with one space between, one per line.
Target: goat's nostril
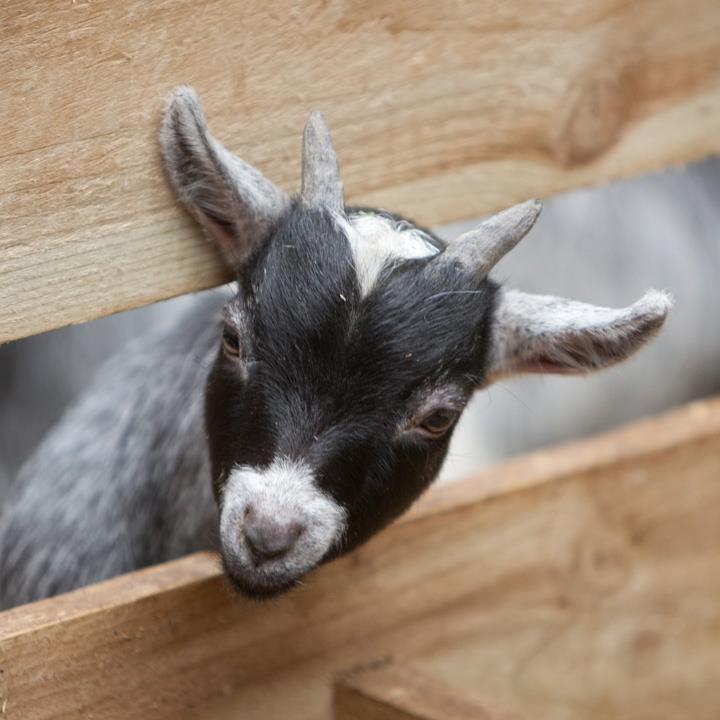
269 539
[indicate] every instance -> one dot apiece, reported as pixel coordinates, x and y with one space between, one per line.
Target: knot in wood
593 122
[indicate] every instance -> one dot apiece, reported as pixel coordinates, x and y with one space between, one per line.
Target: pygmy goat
290 424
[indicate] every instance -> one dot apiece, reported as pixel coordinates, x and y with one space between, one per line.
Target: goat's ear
237 206
545 334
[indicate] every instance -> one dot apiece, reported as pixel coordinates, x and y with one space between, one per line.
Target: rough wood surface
441 110
401 692
579 582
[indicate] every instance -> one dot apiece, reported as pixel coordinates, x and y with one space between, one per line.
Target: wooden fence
578 582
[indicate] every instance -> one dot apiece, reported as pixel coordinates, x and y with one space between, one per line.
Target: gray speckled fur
71 520
542 333
226 195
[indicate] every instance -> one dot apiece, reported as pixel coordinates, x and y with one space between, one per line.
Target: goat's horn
321 183
481 248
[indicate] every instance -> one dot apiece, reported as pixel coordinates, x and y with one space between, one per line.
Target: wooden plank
400 692
439 110
580 581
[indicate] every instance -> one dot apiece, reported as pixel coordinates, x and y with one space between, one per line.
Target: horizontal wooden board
578 582
440 110
389 691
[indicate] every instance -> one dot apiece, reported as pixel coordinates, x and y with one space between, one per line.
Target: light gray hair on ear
321 182
237 206
481 248
545 334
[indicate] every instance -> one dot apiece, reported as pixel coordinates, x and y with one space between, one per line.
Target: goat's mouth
255 591
258 585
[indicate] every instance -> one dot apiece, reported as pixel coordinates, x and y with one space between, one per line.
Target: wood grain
400 692
439 110
579 582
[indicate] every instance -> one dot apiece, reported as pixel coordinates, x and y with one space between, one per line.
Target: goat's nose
268 538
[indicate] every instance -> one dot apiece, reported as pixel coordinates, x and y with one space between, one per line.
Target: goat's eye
438 422
231 343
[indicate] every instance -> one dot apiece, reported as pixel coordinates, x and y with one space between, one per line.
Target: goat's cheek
216 425
237 425
348 474
390 493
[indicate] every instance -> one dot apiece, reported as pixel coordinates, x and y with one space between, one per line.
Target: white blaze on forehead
376 240
285 492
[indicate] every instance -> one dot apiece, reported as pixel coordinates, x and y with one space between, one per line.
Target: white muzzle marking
285 491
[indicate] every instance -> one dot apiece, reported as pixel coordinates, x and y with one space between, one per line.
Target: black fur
329 377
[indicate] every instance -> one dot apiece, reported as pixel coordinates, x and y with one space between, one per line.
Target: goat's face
331 402
351 348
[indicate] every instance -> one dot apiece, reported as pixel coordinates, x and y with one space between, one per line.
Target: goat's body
123 480
348 354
